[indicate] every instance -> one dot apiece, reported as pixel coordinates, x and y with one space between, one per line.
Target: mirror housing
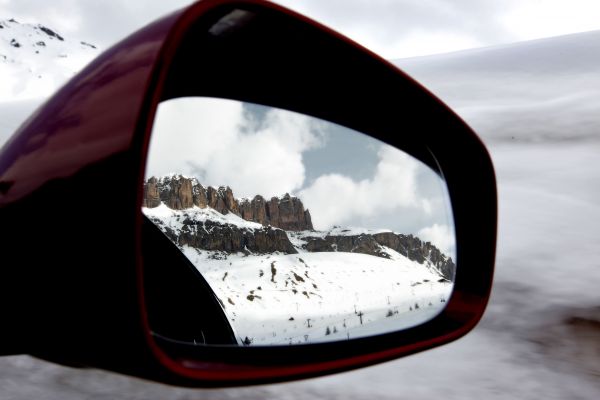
74 172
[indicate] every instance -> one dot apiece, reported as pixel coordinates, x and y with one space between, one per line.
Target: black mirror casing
76 293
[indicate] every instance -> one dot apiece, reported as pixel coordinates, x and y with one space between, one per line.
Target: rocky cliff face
179 193
287 212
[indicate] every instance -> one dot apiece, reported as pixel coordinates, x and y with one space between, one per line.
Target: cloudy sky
393 28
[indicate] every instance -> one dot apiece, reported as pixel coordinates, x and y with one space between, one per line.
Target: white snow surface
343 231
174 218
533 341
34 63
311 297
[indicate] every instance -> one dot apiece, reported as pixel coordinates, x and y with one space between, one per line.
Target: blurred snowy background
536 104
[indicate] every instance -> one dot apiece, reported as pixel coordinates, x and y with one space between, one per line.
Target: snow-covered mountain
281 282
35 60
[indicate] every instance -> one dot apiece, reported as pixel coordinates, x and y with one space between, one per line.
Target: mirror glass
304 231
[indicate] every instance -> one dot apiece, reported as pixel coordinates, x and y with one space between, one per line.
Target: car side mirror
110 285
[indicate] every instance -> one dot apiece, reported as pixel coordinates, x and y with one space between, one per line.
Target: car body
92 137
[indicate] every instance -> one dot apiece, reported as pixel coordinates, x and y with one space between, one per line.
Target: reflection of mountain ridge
212 219
179 192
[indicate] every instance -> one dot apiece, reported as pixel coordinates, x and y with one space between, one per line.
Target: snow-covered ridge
35 60
174 218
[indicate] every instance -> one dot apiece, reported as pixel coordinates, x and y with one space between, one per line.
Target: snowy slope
174 218
297 298
309 296
35 60
537 91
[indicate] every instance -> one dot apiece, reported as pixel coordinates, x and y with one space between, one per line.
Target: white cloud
334 199
543 18
419 43
216 141
441 236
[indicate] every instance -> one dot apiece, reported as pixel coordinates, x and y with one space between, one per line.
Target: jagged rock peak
180 192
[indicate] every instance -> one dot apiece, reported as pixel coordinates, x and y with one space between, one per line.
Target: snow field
308 297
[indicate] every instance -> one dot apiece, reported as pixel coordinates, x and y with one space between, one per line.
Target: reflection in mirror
304 231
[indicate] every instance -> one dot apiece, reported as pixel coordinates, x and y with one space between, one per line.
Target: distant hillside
35 60
545 90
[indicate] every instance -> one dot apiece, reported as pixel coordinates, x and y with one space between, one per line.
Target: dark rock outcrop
88 44
151 194
215 200
50 32
179 193
364 244
287 212
214 236
200 196
254 210
415 249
